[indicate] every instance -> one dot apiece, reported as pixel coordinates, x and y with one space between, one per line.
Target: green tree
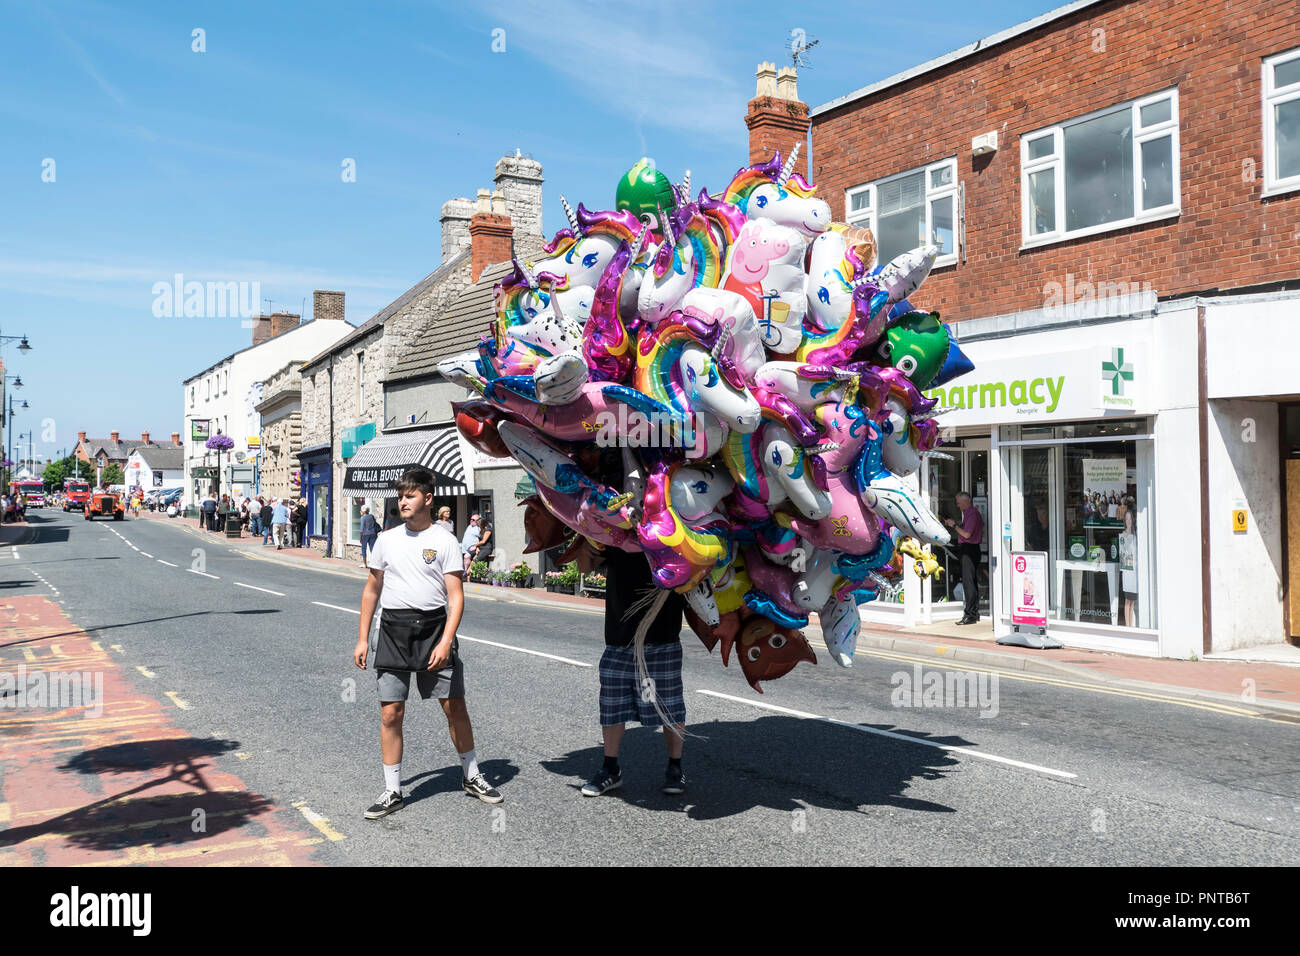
112 475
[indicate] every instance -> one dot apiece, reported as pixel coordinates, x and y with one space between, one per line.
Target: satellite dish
240 456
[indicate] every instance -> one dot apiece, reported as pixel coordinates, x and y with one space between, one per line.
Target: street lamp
9 420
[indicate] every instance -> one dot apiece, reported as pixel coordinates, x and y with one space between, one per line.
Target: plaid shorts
621 697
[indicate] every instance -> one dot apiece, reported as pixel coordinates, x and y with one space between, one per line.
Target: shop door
967 471
1290 433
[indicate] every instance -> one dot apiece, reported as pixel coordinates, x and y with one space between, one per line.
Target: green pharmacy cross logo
1116 371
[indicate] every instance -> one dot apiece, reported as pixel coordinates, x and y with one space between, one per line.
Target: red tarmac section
80 787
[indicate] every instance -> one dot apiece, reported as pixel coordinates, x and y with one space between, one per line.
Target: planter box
594 593
560 588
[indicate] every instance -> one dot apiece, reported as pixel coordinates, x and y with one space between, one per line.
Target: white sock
393 777
469 763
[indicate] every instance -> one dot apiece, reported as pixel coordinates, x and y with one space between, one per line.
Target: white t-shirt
414 564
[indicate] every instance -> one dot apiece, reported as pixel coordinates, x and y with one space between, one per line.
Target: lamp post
23 346
9 419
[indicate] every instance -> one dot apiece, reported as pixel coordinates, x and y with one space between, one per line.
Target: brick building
1115 191
343 395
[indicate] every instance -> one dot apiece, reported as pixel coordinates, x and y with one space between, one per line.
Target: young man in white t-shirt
415 580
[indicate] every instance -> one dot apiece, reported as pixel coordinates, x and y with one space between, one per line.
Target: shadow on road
447 779
132 818
782 763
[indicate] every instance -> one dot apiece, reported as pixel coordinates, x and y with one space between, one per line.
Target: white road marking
967 751
168 563
524 650
176 699
146 672
254 587
337 608
15 553
145 553
204 573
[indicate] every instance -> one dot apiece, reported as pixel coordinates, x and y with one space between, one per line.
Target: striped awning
379 464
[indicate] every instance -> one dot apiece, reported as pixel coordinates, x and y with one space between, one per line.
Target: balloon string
650 604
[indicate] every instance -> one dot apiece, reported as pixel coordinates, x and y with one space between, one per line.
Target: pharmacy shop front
1054 434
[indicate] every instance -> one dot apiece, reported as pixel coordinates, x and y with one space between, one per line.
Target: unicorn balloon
762 377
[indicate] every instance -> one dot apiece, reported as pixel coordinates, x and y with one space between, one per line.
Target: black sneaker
674 781
390 802
479 787
603 782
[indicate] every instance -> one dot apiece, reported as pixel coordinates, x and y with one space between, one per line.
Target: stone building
281 437
343 403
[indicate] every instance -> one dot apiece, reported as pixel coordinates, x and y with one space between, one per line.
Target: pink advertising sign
1029 588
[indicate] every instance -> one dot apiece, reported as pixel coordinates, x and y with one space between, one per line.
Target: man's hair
963 494
416 479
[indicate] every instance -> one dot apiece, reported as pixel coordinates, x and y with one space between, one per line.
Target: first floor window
1282 122
911 209
1110 169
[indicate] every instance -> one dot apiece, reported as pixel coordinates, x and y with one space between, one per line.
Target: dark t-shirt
627 579
484 526
266 513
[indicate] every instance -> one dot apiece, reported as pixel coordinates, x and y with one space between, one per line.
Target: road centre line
146 554
966 751
254 587
168 563
524 650
204 573
337 608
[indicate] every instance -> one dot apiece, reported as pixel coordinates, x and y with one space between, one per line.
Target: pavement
1268 676
907 758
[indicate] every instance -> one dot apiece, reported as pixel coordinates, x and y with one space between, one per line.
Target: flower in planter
219 443
520 573
594 582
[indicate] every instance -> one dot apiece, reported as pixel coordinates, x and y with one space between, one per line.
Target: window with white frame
1109 169
354 516
207 389
361 383
192 391
908 210
1282 122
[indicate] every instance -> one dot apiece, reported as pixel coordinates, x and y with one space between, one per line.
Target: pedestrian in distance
210 510
265 516
393 520
280 523
469 540
444 520
298 521
369 532
255 516
970 533
415 581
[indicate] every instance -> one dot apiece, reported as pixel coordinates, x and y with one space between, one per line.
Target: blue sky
226 165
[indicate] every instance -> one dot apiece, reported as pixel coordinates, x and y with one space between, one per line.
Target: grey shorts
442 684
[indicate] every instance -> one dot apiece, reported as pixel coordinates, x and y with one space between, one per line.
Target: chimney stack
519 179
327 305
113 436
144 438
261 328
176 438
81 436
456 214
777 118
284 321
490 233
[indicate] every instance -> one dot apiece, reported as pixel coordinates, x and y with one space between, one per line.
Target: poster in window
1105 483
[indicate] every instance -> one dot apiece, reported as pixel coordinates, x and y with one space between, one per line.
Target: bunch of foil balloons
758 378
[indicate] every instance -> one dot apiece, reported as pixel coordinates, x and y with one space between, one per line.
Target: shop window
910 210
1083 496
1104 171
1282 123
319 510
354 516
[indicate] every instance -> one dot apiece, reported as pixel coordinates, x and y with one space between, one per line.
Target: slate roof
163 457
120 450
458 328
403 300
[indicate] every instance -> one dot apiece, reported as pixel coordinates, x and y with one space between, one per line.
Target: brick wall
327 304
1226 237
